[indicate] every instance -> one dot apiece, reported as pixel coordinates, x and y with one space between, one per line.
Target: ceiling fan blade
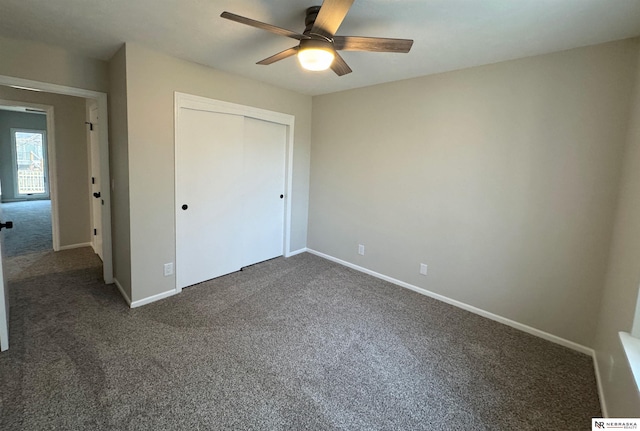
373 44
279 56
339 66
263 26
330 16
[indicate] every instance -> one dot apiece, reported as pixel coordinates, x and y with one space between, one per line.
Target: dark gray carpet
31 231
289 344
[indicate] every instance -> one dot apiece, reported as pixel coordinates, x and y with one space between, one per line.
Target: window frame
631 344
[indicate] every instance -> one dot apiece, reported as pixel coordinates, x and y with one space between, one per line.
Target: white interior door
96 198
4 295
208 195
264 190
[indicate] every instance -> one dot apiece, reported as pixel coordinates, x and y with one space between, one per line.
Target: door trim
103 139
189 101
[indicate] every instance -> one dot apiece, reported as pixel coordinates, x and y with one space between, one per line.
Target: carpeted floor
288 344
31 231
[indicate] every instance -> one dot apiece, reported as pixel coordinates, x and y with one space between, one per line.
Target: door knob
281 196
96 195
7 225
185 206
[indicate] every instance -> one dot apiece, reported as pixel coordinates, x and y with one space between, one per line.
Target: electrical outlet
423 268
168 269
361 250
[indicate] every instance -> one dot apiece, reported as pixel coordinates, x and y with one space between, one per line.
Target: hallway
31 231
40 282
48 292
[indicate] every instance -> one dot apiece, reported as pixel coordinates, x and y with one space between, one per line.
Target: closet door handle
185 206
281 196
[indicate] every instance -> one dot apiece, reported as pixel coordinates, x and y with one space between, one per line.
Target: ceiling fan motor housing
316 44
310 19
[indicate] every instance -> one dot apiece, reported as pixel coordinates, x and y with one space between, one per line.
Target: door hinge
90 125
93 180
95 232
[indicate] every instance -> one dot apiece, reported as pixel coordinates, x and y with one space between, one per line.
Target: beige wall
71 160
39 62
502 178
623 280
119 165
152 79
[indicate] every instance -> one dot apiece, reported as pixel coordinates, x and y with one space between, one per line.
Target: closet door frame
189 101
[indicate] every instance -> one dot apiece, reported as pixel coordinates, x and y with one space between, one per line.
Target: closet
230 192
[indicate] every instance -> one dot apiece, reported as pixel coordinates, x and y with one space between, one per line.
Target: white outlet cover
361 249
423 269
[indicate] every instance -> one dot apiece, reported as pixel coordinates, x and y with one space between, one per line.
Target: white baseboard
122 292
603 403
517 325
153 298
520 326
299 251
72 246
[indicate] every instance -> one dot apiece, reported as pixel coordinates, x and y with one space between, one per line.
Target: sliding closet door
209 165
263 177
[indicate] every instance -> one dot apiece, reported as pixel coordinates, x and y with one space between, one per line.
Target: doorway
100 101
24 177
49 176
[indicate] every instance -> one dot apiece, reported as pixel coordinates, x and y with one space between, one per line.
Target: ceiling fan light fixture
315 54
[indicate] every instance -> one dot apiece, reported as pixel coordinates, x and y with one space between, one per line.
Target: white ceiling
448 34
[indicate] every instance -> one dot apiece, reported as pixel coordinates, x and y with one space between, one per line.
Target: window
30 163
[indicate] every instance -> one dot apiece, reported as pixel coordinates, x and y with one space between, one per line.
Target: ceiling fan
319 44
